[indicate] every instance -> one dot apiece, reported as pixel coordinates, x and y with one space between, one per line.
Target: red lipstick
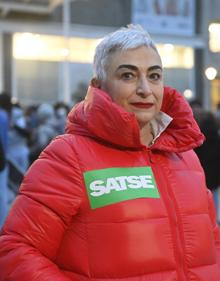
142 104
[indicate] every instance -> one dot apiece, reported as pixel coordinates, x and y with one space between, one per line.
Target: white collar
159 124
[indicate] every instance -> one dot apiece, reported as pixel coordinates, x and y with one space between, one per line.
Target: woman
121 195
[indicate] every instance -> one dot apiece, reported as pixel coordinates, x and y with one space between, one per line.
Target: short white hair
125 38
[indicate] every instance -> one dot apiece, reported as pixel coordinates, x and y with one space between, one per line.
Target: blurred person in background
5 109
2 157
61 111
31 116
45 130
122 195
18 138
197 109
209 153
217 114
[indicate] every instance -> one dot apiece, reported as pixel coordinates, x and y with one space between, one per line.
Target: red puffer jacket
99 206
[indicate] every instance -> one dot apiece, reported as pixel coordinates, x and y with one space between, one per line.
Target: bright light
214 35
176 56
29 46
214 27
14 100
188 94
168 47
65 52
210 73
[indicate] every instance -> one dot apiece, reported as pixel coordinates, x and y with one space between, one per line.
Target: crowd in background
26 131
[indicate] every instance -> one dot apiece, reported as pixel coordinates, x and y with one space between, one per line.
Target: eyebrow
135 68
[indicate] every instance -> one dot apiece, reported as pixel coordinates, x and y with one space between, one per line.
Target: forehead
141 57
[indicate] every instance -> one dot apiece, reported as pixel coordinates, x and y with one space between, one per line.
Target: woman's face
134 80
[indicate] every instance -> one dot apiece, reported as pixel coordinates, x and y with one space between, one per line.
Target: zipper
175 221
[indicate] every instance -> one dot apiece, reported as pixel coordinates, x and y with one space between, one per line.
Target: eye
127 75
155 76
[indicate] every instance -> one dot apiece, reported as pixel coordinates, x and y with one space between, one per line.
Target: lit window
176 56
214 35
29 46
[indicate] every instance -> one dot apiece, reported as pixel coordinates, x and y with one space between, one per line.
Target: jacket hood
98 117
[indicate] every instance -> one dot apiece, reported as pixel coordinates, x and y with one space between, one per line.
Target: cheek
120 100
159 97
120 95
160 100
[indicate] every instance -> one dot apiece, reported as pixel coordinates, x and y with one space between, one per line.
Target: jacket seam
82 180
179 219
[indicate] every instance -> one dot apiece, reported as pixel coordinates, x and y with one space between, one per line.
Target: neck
146 134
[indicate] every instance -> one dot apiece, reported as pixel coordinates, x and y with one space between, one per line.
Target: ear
95 83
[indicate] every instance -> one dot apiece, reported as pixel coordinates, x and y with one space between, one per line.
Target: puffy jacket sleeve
216 229
49 197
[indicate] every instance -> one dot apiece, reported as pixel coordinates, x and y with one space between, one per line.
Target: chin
144 120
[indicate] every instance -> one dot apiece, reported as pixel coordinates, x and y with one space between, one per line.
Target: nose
143 87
